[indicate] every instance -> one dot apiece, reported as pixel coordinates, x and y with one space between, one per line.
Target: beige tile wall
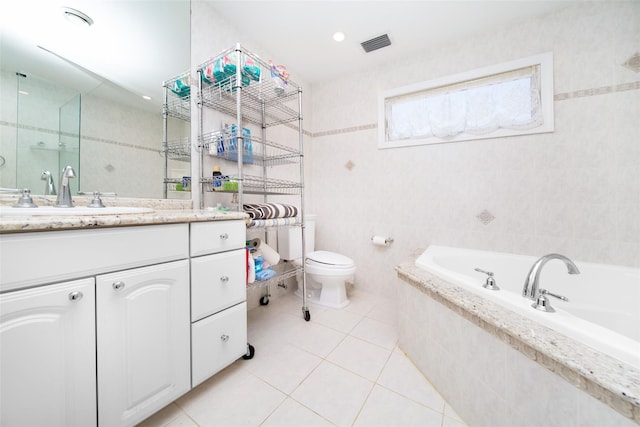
575 191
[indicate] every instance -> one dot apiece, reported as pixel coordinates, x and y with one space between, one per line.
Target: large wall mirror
81 85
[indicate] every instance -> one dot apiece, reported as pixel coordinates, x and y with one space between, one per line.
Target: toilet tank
290 240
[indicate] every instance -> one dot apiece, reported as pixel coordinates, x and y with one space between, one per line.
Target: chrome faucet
49 187
64 196
25 200
530 289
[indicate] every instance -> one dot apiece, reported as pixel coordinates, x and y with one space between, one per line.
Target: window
515 98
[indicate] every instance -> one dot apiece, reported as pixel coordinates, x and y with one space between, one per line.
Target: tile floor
343 368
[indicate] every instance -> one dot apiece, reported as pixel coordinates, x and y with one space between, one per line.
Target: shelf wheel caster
307 315
264 300
251 351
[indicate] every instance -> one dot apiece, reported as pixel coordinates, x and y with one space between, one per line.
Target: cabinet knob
224 338
76 296
224 279
118 285
224 236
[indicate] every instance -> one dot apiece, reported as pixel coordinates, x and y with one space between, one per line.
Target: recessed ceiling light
148 98
23 92
77 17
338 36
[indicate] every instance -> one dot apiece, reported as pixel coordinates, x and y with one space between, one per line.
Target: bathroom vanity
105 320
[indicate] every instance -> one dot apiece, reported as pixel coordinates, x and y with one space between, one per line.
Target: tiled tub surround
498 368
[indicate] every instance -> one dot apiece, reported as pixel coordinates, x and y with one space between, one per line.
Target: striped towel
275 222
270 210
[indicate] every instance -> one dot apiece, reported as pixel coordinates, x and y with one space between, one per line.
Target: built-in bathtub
591 341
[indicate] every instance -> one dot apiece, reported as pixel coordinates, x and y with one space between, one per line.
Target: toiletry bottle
217 178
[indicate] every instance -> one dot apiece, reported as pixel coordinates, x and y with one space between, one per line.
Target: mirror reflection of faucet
49 187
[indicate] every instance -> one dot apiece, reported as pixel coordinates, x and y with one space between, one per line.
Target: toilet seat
329 259
325 263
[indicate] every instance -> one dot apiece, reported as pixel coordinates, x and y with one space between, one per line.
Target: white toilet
326 272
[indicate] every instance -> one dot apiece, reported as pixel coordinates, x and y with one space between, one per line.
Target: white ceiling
299 33
136 44
133 45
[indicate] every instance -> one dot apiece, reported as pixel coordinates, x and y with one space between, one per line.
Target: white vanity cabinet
143 328
218 297
124 346
47 356
108 325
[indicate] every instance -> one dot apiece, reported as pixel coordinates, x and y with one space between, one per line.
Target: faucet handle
560 297
489 273
542 302
10 190
25 201
97 201
491 282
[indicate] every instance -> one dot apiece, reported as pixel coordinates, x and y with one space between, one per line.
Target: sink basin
78 210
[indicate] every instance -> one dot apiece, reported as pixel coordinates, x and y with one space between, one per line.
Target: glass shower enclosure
47 133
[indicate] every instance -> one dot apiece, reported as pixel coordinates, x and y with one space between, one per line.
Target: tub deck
609 380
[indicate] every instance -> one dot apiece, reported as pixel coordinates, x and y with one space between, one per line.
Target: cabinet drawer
64 255
217 282
218 236
217 341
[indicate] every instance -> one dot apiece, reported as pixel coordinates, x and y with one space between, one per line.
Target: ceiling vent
376 43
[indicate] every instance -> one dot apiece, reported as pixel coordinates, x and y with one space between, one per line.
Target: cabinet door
48 363
218 340
217 282
143 341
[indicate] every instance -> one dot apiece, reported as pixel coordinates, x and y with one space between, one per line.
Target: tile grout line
374 382
288 395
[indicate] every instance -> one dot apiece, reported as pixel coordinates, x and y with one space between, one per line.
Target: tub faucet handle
561 297
542 302
491 282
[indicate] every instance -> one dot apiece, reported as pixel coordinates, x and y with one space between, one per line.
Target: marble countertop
164 212
607 379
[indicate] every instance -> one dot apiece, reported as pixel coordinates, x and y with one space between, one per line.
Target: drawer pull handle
224 338
118 286
224 279
224 236
76 296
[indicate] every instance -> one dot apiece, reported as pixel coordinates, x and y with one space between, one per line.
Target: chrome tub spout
531 285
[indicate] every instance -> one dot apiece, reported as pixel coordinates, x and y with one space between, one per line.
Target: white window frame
544 60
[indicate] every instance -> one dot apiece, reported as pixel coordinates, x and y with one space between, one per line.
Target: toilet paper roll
379 240
269 254
253 243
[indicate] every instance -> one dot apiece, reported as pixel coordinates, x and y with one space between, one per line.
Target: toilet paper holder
381 240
